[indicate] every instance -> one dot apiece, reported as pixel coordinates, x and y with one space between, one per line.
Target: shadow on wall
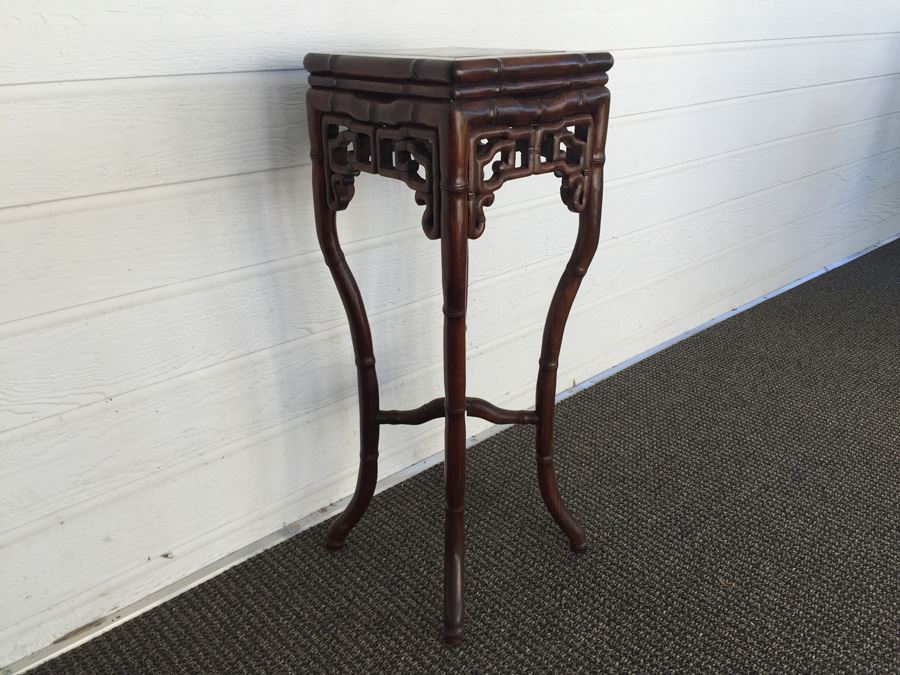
398 272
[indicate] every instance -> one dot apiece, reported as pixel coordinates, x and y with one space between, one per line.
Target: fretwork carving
406 153
502 154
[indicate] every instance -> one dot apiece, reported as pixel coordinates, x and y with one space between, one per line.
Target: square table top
458 73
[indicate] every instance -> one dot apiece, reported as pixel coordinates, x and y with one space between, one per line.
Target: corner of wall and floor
176 378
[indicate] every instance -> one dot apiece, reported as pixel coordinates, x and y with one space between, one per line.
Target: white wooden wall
175 369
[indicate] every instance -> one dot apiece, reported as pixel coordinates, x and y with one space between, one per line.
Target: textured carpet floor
741 493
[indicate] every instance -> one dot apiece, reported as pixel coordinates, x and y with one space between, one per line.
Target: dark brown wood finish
455 127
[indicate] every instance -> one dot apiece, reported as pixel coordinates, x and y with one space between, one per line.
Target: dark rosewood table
455 126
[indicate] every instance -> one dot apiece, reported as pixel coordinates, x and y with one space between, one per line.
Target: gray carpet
741 493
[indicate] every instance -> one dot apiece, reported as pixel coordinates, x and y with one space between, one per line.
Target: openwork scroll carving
348 151
406 153
502 154
410 155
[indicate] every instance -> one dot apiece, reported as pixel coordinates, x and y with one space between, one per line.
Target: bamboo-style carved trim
407 153
562 147
445 78
432 410
478 407
475 407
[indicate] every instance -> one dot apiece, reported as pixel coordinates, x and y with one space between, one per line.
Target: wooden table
455 126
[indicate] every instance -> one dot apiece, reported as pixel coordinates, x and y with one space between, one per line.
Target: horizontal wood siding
176 374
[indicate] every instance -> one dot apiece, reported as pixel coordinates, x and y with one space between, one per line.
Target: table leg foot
454 636
454 557
333 545
553 501
365 488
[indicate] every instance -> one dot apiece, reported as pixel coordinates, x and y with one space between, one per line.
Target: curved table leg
583 253
367 381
